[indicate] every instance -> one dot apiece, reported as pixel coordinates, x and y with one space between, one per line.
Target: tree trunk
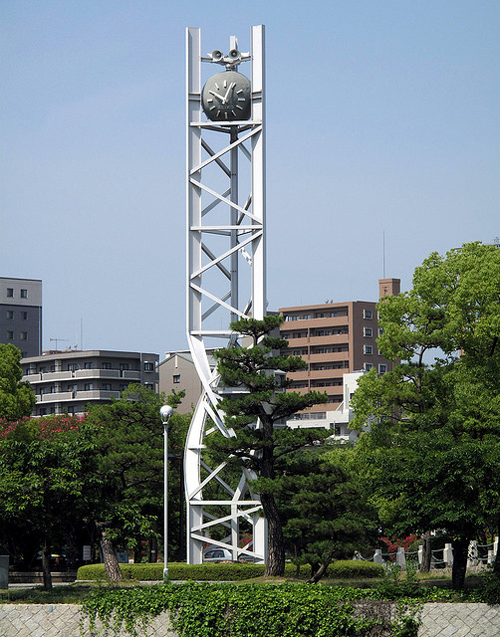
275 566
47 575
111 565
496 563
460 548
153 550
427 552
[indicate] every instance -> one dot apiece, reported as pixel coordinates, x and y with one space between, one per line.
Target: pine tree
260 371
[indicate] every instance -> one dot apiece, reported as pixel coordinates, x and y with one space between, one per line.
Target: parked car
57 560
217 555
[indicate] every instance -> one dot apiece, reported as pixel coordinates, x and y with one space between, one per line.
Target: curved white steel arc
215 251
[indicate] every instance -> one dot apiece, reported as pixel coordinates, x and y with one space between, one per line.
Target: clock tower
226 274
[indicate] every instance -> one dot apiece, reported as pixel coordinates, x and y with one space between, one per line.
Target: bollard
4 572
448 555
400 558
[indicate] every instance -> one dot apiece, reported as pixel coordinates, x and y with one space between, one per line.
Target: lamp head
165 412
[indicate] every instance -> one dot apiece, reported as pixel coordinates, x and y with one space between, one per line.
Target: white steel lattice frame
244 236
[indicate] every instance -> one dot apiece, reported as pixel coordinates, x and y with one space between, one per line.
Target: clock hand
230 87
217 95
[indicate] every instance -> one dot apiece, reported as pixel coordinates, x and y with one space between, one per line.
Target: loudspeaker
235 55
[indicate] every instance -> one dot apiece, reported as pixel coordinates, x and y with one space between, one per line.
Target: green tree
47 479
17 399
259 445
130 469
432 453
327 514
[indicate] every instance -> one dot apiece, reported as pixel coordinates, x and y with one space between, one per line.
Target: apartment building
177 372
69 381
334 339
21 314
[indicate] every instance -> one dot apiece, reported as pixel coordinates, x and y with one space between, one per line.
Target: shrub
231 571
177 571
355 569
490 588
224 610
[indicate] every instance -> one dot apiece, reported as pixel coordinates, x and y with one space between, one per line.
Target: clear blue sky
381 117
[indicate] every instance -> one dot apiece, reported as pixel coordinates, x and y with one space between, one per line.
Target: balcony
48 377
73 396
107 373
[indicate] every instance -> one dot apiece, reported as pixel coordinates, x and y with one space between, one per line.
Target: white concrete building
337 420
67 382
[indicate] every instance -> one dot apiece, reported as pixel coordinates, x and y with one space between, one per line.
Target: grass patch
70 594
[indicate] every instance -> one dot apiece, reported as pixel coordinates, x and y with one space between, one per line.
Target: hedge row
234 571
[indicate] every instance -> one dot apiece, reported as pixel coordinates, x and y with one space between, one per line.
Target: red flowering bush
42 428
392 544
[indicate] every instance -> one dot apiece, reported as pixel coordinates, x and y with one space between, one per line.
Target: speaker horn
235 55
217 55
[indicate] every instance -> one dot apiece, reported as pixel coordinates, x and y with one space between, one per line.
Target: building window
10 335
24 294
124 366
367 366
149 367
72 367
149 385
88 365
382 368
10 292
88 386
367 350
24 316
106 365
367 332
367 314
23 336
10 314
176 378
106 386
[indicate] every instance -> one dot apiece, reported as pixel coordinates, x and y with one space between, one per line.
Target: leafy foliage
327 516
210 610
432 456
129 449
47 478
17 399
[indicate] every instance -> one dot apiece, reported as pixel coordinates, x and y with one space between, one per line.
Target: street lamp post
165 412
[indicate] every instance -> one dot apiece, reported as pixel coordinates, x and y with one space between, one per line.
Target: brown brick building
334 339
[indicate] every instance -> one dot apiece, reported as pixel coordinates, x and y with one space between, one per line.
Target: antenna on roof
383 254
57 340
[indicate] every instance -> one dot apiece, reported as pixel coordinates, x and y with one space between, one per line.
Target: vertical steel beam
259 295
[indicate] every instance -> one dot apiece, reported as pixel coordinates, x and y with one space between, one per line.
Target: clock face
226 97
